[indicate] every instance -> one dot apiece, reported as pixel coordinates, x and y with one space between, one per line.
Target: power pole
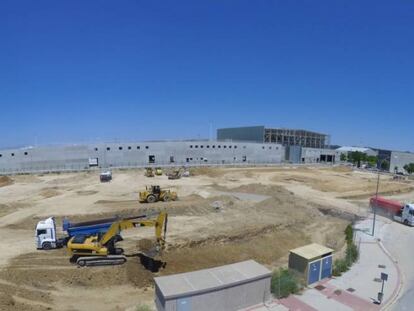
376 202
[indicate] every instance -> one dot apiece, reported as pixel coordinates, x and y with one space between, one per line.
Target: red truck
400 212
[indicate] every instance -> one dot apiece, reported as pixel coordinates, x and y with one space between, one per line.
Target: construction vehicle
174 174
100 249
403 213
105 176
158 171
149 172
46 237
155 193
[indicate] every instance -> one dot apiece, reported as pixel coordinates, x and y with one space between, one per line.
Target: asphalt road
399 241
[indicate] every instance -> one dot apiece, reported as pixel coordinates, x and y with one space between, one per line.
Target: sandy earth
261 214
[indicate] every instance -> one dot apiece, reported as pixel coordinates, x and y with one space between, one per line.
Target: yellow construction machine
158 171
155 193
98 250
149 172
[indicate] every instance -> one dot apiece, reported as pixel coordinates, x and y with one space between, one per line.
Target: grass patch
285 282
143 308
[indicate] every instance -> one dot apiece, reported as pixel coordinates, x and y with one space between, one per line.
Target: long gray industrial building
137 154
247 145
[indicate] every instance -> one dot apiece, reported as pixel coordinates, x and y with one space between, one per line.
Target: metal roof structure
311 251
196 282
353 149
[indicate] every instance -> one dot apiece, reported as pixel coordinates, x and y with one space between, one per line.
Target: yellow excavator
98 250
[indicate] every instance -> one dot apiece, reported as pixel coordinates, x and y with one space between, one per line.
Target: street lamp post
376 202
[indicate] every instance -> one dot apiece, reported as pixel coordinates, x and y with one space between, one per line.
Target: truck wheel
151 198
406 222
81 263
167 198
47 245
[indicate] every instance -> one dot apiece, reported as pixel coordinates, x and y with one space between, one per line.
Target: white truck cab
46 234
406 215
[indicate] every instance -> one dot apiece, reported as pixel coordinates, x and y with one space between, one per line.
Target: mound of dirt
49 192
261 189
86 192
206 171
342 169
5 181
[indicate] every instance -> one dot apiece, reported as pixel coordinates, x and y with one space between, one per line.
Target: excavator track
110 260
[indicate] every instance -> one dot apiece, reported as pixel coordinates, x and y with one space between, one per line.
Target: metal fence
132 165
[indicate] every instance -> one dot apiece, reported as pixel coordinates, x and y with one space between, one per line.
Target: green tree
409 168
372 160
357 157
385 165
343 157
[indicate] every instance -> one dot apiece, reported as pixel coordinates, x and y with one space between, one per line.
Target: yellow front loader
155 193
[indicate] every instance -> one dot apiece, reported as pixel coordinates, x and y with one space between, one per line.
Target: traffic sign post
384 277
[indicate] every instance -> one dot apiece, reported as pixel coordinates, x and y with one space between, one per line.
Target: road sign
384 276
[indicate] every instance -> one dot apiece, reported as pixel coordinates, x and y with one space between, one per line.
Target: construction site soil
210 225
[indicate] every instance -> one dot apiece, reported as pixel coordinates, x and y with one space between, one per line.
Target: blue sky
78 71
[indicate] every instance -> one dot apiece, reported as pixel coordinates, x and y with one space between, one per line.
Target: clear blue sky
77 71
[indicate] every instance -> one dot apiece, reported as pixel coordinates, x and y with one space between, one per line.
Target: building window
214 146
151 159
96 149
12 154
129 147
191 159
244 147
219 146
208 146
270 148
146 147
263 147
224 146
120 148
25 153
230 147
108 148
191 146
1 155
235 147
201 146
138 147
172 160
196 146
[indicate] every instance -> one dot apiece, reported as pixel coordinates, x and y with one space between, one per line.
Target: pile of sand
5 181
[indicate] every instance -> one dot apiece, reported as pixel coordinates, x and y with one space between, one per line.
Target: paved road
399 241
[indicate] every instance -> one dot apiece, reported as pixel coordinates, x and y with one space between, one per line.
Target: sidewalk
357 289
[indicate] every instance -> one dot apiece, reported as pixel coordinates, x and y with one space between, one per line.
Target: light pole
376 202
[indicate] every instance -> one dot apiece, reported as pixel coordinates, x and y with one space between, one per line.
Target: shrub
340 266
284 283
141 307
351 253
349 234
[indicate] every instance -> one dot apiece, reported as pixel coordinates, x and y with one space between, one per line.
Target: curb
400 280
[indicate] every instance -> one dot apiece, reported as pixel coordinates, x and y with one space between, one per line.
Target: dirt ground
223 215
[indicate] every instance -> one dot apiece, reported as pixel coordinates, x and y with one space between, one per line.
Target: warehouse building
399 159
285 137
226 288
347 149
137 154
298 154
